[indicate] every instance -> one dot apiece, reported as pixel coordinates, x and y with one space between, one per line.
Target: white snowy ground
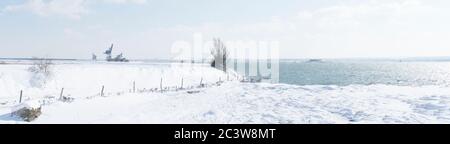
235 102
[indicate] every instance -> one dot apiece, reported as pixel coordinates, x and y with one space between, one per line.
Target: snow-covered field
85 79
230 102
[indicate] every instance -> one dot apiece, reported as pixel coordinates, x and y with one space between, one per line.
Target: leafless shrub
41 65
68 99
40 70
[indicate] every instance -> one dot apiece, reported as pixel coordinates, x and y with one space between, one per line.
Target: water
365 72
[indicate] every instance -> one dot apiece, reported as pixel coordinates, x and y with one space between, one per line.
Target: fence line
144 90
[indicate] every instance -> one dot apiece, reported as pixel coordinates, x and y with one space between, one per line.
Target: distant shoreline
59 59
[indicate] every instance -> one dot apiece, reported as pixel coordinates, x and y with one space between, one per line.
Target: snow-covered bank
230 102
235 102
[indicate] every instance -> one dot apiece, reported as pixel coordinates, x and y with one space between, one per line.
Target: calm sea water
364 72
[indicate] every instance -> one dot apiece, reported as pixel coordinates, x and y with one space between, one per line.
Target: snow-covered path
235 102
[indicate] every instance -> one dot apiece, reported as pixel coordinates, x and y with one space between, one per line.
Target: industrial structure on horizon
118 58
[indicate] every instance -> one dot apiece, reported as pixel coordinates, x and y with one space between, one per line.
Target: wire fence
64 93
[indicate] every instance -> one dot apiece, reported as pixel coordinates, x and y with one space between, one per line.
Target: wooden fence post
134 86
61 94
201 82
20 98
101 93
182 81
160 85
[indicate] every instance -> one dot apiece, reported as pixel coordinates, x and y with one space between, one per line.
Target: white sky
146 29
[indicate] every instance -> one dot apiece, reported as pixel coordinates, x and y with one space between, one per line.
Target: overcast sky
146 29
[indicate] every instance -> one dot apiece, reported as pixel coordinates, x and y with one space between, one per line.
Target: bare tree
220 54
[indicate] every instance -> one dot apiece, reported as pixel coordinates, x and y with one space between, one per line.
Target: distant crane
118 58
109 52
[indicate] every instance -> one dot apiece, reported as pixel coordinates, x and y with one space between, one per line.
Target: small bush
41 65
28 114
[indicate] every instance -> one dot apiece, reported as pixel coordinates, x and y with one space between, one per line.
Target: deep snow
85 79
230 102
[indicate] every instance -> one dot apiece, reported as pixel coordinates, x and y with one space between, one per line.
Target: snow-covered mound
235 102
